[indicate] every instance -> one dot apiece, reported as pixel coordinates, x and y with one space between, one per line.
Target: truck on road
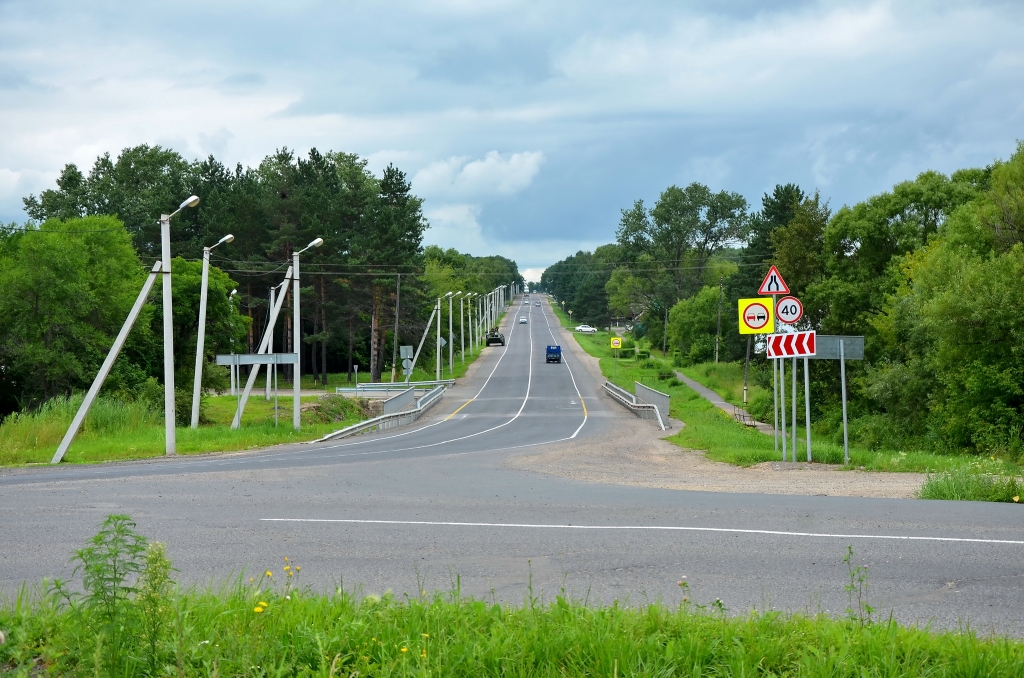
494 337
554 354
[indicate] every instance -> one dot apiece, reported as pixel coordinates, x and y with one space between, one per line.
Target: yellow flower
257 610
264 604
298 569
250 580
425 635
290 573
1016 498
269 573
286 559
287 567
405 649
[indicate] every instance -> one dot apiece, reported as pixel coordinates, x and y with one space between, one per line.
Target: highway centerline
664 528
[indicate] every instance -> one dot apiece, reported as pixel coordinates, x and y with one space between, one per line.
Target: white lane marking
585 414
663 528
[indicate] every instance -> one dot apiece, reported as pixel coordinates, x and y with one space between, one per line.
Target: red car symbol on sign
756 316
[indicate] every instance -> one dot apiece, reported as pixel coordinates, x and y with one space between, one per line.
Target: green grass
726 379
271 626
972 484
116 430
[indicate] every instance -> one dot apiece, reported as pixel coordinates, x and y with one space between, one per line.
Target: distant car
536 303
522 320
586 329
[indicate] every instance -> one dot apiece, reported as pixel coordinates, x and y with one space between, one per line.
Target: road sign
793 345
405 352
789 310
828 347
773 283
616 342
407 364
756 316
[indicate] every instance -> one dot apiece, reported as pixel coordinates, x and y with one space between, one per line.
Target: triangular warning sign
773 283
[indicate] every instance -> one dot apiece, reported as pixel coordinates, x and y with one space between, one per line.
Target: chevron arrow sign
793 345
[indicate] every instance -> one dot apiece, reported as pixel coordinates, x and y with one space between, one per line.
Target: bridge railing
637 407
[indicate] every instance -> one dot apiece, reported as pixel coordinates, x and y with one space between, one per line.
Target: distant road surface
418 506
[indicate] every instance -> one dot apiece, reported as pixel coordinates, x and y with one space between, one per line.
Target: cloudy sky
526 126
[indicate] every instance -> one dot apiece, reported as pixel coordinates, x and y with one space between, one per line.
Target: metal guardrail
387 387
389 421
640 409
399 401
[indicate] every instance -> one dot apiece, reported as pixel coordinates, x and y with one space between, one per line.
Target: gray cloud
526 125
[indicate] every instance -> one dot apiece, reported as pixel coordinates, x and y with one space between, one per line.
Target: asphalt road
419 507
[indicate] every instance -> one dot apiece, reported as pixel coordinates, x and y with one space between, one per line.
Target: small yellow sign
616 342
756 316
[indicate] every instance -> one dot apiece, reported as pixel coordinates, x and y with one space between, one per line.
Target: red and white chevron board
794 345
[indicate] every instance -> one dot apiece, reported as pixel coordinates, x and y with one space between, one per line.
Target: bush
664 374
626 353
648 364
642 355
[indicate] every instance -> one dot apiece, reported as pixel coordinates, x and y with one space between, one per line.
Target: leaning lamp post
165 257
203 289
296 374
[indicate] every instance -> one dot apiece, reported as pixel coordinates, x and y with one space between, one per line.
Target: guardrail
640 409
389 421
399 401
386 387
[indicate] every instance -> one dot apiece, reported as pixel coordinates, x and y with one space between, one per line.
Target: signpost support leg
846 429
794 410
775 401
746 371
782 406
807 407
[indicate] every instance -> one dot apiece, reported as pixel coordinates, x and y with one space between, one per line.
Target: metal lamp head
227 238
191 201
315 243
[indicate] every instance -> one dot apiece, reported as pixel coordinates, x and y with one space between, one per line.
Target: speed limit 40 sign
789 310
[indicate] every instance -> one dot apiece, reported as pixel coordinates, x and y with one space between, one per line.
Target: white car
586 329
522 320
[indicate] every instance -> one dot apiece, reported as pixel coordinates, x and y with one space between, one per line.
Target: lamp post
203 289
451 334
165 257
297 373
437 361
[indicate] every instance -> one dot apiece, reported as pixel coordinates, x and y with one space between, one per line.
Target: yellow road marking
460 409
584 406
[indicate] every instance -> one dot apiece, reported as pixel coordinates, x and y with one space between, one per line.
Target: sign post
616 344
773 285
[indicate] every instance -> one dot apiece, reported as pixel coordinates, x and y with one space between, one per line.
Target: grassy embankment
714 431
270 625
117 430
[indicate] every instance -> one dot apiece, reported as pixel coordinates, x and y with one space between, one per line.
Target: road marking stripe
574 385
460 409
668 528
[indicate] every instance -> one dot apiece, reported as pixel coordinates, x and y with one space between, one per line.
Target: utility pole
394 352
437 375
718 332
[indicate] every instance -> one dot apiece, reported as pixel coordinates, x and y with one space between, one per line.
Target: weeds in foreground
968 484
269 626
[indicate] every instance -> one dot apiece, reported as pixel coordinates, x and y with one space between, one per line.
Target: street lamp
451 335
203 289
469 316
165 257
297 372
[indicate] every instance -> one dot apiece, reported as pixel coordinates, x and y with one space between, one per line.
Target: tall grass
44 428
262 629
968 484
119 430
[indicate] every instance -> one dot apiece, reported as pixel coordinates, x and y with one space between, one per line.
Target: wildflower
287 567
250 580
287 597
423 654
290 573
264 604
298 569
269 573
257 610
425 635
286 559
405 649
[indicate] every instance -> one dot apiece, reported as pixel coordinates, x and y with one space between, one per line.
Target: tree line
928 272
74 269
